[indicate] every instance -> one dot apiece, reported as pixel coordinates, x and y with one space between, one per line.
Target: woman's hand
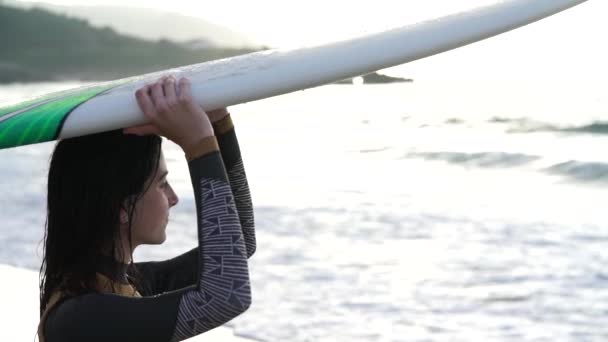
172 112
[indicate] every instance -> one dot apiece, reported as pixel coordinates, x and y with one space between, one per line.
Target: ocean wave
498 119
480 159
374 150
523 125
454 121
581 171
598 127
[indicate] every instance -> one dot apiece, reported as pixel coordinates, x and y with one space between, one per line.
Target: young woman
108 194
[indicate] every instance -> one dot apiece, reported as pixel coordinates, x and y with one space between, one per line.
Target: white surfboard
112 105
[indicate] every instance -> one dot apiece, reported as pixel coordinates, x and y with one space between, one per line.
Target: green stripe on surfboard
43 121
38 100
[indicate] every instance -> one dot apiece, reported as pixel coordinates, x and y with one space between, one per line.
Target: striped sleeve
222 290
233 161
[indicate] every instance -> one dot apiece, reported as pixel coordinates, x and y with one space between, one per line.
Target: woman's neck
113 269
122 251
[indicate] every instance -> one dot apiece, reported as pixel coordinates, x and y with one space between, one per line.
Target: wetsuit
184 296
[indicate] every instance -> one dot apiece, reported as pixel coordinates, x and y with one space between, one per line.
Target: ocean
426 211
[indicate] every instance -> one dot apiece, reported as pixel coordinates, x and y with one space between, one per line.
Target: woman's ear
124 217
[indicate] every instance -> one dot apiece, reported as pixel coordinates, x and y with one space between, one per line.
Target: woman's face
152 210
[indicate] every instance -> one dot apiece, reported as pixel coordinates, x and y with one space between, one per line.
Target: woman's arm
223 289
231 154
179 272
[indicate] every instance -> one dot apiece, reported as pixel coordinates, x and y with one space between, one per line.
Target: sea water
424 211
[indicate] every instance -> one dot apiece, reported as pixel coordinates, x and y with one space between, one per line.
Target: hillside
151 24
39 46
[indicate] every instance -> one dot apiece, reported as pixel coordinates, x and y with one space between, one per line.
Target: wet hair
90 180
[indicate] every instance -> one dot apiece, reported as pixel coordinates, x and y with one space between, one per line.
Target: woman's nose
173 199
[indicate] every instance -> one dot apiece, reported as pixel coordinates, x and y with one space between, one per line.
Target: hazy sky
568 45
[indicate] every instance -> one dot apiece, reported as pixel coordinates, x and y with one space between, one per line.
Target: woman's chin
159 240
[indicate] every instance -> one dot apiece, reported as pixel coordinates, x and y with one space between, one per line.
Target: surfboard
226 82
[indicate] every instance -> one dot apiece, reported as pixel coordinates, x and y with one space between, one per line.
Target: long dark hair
90 180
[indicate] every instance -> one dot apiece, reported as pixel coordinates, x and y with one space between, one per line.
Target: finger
170 95
158 98
145 102
162 79
185 91
142 130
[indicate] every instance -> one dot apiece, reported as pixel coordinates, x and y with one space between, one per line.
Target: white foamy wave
581 171
480 159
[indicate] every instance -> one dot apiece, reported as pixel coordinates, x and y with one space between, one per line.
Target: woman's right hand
172 112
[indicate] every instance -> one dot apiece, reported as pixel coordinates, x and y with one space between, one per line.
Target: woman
108 194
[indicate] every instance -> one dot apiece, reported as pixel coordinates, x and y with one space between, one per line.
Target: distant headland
42 46
39 45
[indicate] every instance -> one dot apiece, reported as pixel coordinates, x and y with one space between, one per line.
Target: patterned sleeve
179 272
231 154
222 290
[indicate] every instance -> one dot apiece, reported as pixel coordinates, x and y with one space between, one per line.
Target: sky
569 45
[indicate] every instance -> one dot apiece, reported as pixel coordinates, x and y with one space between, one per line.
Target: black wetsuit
187 295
